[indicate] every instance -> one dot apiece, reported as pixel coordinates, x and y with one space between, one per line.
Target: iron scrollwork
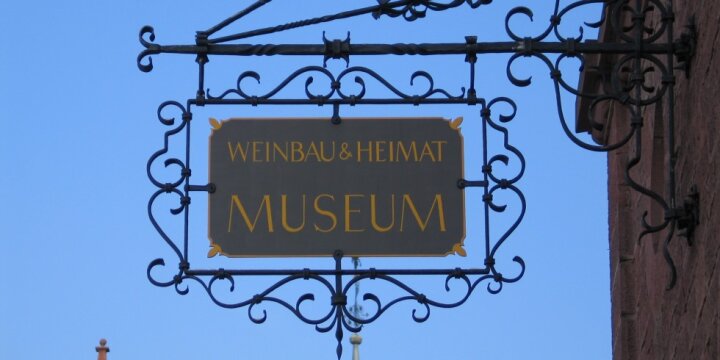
340 316
335 85
640 52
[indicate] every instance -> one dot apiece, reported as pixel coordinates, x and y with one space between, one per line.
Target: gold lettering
235 200
441 212
427 150
439 144
379 150
297 151
278 150
238 149
255 150
373 214
360 150
345 153
348 211
324 212
322 152
312 150
406 152
283 210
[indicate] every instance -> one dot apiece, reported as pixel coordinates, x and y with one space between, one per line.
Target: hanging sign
307 187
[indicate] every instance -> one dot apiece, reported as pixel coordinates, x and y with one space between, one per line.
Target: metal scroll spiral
628 87
340 316
335 85
150 48
496 184
417 9
171 188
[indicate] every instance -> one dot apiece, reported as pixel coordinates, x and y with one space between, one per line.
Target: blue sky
78 124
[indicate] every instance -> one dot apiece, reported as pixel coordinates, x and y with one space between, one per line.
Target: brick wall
650 322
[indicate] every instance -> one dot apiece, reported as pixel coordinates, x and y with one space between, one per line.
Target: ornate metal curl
413 10
640 52
335 85
172 187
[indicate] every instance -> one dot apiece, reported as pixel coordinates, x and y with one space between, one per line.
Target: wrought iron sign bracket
685 47
687 215
636 48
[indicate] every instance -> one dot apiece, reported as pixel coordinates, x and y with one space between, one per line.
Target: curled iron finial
150 48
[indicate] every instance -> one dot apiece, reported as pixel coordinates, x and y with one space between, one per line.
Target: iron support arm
509 47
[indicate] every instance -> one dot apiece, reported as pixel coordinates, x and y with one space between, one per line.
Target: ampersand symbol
344 152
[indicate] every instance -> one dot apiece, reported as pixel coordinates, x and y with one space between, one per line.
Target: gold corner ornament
455 124
458 248
214 250
216 125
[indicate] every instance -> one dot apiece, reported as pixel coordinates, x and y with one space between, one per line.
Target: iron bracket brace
690 215
685 46
462 183
687 215
210 188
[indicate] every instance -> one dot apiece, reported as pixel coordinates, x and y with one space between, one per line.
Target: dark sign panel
307 187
